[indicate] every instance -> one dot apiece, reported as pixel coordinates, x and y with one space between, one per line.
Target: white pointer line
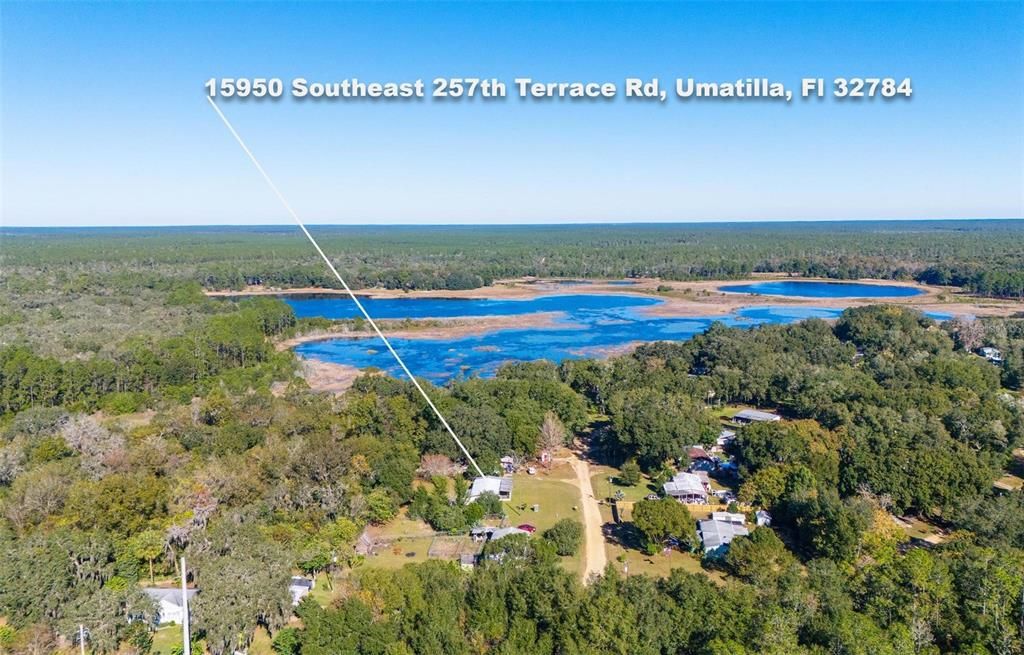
348 290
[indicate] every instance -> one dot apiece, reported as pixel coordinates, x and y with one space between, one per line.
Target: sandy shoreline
686 299
462 326
328 376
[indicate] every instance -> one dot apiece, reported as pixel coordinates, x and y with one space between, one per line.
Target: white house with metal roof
501 533
755 416
169 606
717 535
500 487
687 488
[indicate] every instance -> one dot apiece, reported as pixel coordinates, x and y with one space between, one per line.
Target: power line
344 284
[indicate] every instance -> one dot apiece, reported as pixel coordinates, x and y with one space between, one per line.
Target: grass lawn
165 638
917 528
1010 482
411 538
402 551
660 565
555 500
402 527
325 594
726 412
625 542
261 643
1014 478
409 541
556 471
605 489
627 546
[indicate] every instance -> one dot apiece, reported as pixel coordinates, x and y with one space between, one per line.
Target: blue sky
104 120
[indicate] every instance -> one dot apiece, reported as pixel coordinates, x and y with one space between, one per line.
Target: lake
592 326
810 289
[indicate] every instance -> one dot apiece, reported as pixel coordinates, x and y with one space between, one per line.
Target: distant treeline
233 343
997 283
985 257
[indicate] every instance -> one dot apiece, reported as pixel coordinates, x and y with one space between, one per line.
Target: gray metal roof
719 533
490 484
504 532
168 595
684 483
756 415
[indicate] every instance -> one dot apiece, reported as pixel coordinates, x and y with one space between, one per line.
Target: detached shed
299 588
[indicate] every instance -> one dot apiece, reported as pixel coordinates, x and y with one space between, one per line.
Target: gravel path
594 558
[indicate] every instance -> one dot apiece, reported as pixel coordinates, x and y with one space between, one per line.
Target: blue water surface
809 289
591 326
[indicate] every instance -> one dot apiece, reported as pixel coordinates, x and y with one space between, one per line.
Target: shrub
286 642
123 402
630 473
566 536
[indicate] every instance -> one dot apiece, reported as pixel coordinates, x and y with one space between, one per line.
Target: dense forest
988 255
171 425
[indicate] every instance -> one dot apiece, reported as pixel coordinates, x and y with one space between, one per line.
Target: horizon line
4 226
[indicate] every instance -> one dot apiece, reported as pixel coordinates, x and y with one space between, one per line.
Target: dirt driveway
594 558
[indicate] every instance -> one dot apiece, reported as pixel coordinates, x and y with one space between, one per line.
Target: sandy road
594 558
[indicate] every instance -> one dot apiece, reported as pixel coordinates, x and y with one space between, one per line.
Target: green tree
629 474
655 426
244 580
566 536
760 558
146 547
661 520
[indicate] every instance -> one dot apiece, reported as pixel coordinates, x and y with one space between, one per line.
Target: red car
527 527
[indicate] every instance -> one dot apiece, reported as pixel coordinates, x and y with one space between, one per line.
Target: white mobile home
748 416
500 487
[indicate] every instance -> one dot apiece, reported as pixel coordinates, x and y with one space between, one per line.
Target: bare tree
431 465
99 449
12 462
552 433
968 332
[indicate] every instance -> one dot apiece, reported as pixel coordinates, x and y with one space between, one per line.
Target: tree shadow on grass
624 535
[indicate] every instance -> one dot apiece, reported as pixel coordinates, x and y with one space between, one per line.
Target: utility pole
81 638
186 639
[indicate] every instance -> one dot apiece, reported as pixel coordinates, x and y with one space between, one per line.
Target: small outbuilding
299 588
729 517
991 354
